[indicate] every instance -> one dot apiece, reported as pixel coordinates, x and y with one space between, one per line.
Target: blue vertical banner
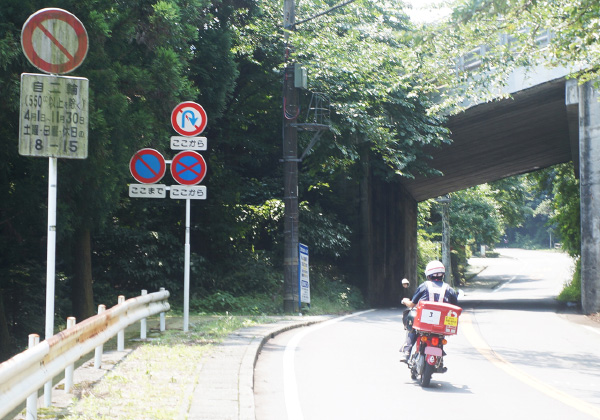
303 276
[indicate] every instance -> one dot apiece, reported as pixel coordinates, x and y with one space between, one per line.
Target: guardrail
27 372
474 58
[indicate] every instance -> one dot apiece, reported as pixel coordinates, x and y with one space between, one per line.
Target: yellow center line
486 351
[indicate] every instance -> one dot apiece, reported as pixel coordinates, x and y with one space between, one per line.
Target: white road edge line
504 284
592 329
290 387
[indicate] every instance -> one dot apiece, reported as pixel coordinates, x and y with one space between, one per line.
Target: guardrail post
162 316
31 413
99 349
121 333
69 369
143 322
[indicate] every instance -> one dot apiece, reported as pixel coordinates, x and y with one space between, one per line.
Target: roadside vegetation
158 377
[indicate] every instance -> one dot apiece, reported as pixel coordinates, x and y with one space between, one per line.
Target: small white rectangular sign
182 192
188 143
303 274
148 190
429 316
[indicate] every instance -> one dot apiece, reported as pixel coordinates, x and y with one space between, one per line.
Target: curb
246 380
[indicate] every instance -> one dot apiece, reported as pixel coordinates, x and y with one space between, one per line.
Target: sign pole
51 262
55 42
186 275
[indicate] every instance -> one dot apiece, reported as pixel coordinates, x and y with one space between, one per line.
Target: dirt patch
595 317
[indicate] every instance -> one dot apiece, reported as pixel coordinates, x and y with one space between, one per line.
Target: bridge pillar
389 245
589 179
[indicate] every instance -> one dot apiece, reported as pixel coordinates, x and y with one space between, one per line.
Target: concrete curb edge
246 378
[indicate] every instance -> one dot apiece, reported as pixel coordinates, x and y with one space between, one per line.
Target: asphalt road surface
518 354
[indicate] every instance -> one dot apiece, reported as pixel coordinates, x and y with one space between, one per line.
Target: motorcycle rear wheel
425 377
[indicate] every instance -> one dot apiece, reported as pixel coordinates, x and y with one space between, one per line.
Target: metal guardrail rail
474 58
27 372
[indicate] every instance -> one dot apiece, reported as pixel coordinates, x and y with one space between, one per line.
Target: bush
572 290
221 302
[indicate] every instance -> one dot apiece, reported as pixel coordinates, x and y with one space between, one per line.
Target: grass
572 289
156 380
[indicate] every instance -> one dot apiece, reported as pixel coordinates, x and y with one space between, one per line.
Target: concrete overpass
548 119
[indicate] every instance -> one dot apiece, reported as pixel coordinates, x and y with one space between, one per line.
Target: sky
424 11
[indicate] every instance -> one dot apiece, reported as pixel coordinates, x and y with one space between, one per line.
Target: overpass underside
553 122
530 131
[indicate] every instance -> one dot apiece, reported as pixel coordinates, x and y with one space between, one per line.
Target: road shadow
444 386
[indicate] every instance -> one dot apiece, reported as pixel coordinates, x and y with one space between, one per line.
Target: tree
138 69
562 188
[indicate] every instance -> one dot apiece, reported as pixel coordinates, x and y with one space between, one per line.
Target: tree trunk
83 294
5 348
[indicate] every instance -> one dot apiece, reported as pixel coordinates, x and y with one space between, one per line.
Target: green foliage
381 74
475 217
567 209
222 302
572 290
428 240
358 57
560 206
512 34
328 237
334 297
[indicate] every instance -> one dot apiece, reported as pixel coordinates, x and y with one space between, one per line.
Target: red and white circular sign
54 41
188 167
188 119
148 166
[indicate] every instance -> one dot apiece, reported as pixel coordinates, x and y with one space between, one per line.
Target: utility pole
446 260
290 169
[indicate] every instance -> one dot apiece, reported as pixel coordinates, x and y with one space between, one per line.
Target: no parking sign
188 167
148 166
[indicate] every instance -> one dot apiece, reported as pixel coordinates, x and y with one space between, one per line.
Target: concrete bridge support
389 244
589 177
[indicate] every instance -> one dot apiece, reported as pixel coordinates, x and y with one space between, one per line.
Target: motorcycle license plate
451 321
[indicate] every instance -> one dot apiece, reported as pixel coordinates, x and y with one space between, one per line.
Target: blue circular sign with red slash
188 167
188 119
148 166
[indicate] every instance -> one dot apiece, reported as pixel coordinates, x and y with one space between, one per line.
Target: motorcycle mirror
461 294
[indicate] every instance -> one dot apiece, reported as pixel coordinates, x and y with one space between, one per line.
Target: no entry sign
188 119
148 166
188 167
54 41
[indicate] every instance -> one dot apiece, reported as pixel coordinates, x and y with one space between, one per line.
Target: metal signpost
188 168
53 120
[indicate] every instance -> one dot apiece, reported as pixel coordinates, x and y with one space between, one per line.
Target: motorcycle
432 322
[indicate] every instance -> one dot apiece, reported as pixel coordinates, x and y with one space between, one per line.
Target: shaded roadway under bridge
548 120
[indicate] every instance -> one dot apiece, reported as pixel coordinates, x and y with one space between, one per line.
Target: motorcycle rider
430 290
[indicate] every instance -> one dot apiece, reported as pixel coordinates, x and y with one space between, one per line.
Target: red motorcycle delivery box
437 317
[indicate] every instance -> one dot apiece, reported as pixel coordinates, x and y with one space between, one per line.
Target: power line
324 13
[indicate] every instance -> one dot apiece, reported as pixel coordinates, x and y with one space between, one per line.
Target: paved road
514 354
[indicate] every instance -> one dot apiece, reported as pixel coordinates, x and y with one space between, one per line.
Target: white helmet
435 269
